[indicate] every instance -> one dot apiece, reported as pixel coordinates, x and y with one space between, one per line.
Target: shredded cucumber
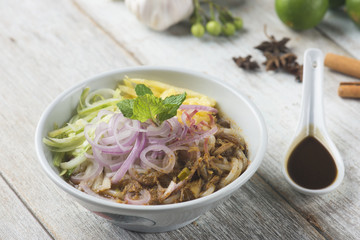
68 143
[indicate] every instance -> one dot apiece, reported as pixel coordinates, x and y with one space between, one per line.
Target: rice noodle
236 168
171 199
168 191
83 185
208 191
169 158
92 171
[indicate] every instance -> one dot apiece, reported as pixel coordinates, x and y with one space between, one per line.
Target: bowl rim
219 194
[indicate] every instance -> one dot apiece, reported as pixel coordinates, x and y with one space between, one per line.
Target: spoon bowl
312 125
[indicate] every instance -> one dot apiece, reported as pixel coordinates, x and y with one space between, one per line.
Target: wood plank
16 220
277 95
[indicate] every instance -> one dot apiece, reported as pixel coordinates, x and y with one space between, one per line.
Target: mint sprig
147 106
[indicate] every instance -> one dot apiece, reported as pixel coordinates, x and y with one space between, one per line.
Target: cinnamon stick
346 65
349 90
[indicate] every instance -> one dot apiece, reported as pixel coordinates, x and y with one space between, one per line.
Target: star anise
290 65
278 57
297 70
287 58
246 63
272 61
273 46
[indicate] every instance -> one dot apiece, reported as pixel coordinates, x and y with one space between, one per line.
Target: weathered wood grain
16 221
48 46
338 26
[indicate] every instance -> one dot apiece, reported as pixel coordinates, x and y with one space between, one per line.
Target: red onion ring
169 156
212 131
143 200
139 145
198 107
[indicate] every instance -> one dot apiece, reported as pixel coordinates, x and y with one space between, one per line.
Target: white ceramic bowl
157 218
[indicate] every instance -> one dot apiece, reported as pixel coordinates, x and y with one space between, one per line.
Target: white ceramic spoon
312 120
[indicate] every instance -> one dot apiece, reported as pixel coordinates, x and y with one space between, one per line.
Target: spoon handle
312 100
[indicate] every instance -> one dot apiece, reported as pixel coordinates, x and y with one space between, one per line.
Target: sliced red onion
110 140
135 126
199 108
163 130
154 140
124 143
212 131
144 199
170 157
139 145
117 120
185 126
175 125
106 159
116 166
192 114
102 113
114 149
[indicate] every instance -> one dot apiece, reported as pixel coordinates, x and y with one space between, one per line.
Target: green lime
301 14
336 3
353 9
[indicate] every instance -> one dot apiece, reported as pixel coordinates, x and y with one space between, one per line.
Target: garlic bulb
160 14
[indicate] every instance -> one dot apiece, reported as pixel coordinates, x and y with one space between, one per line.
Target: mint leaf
147 106
126 107
142 90
171 105
175 99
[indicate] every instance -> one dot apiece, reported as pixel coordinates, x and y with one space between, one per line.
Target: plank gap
26 205
107 33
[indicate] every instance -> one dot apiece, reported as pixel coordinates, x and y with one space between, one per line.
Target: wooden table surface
48 46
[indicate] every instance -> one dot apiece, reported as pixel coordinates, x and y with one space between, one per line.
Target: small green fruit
197 30
228 29
238 22
213 28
